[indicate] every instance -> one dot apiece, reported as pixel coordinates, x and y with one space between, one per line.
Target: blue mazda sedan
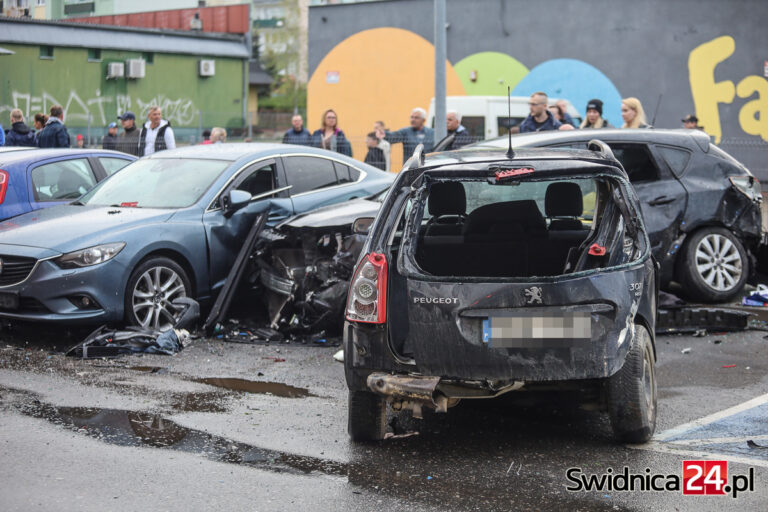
32 178
166 226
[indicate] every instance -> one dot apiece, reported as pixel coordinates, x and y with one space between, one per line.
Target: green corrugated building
96 72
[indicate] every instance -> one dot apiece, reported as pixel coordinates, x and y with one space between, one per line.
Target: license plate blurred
555 330
9 300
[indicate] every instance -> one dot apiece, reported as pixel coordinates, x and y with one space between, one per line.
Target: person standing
691 122
413 135
297 134
375 156
460 134
156 134
540 118
594 117
19 134
80 141
218 135
633 114
40 120
109 141
381 131
567 119
2 135
54 134
128 141
330 136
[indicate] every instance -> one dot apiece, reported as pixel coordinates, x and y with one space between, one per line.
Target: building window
46 52
94 54
39 2
149 57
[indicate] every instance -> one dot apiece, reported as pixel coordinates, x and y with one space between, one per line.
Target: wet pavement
263 427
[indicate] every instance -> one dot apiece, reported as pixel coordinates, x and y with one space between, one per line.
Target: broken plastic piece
511 173
686 350
132 204
597 250
729 366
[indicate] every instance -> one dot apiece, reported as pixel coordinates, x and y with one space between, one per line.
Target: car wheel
366 417
632 392
151 289
714 266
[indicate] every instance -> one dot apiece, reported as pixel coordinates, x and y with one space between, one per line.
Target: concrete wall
34 84
700 56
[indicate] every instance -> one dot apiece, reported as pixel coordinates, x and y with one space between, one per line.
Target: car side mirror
234 200
362 225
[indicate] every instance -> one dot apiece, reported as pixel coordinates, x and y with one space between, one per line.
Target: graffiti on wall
708 94
96 109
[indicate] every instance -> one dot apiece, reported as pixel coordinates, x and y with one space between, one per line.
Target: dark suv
486 273
701 206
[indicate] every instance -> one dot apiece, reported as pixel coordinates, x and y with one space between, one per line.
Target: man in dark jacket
461 136
297 134
375 156
19 134
540 118
413 135
54 135
128 141
109 141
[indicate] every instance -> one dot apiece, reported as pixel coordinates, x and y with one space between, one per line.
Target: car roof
13 157
680 136
237 150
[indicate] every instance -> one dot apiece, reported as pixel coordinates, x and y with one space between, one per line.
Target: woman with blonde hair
330 136
218 134
633 114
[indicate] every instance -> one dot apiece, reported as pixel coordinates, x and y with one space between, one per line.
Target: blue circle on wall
575 81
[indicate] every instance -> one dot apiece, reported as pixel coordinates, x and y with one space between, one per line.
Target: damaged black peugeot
486 273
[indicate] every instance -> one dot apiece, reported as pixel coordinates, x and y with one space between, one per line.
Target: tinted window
307 173
475 125
636 161
676 158
61 181
260 180
345 173
158 183
112 165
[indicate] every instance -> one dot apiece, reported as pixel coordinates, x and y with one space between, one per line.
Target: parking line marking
706 420
654 446
718 440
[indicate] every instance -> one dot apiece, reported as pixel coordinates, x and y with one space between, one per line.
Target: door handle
661 200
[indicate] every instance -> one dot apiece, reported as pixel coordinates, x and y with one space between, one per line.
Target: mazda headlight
90 256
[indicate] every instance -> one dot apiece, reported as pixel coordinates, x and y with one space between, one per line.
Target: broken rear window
479 228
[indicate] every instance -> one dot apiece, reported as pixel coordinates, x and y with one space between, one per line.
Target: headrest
490 217
564 200
447 198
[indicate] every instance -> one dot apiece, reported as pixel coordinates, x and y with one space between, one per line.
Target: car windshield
157 183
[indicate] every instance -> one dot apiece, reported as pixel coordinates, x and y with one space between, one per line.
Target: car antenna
510 152
653 121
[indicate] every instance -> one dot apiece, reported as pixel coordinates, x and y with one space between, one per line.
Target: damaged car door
226 228
662 197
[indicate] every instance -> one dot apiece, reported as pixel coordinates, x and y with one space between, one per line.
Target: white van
485 117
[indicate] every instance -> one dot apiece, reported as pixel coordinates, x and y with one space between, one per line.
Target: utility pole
440 57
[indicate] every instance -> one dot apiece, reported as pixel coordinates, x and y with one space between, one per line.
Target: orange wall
383 74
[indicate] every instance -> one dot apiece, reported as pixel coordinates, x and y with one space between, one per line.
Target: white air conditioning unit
115 70
207 67
134 68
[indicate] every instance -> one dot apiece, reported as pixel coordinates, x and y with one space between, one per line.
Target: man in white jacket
156 134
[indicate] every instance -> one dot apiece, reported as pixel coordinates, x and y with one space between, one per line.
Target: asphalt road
149 433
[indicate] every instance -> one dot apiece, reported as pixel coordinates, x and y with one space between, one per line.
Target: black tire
167 266
632 392
367 416
730 266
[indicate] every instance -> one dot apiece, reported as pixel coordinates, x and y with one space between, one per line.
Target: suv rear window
479 228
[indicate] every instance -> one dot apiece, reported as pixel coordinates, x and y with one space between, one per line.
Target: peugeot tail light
367 299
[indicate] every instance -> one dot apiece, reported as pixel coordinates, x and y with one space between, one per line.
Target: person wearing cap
80 141
109 141
594 117
128 141
691 122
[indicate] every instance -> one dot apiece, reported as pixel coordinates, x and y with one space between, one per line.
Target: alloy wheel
153 295
718 262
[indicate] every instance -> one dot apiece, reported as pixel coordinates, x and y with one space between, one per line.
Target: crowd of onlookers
156 133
